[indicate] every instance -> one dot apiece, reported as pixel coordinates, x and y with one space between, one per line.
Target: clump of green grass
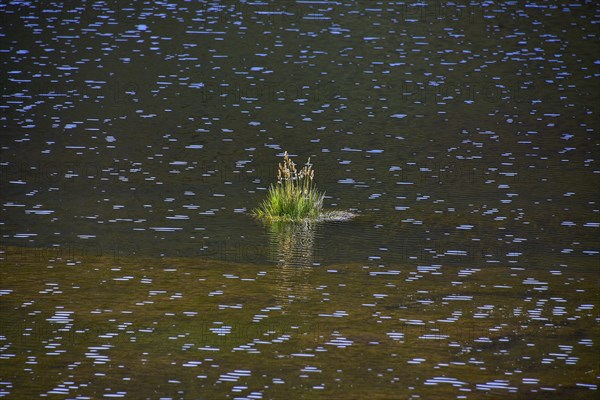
294 197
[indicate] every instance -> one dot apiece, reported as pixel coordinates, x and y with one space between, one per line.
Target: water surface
137 137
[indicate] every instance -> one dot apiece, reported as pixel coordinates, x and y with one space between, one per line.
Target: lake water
138 136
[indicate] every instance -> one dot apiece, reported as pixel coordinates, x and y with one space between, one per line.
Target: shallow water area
137 137
212 329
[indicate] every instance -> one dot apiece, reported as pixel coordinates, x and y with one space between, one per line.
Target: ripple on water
471 185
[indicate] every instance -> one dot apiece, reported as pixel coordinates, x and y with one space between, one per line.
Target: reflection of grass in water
292 243
292 247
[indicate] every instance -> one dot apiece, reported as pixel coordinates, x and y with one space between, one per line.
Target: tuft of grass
294 197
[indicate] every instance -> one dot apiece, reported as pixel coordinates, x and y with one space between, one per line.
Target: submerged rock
336 216
325 216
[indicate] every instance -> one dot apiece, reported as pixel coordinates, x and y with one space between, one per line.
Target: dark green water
136 137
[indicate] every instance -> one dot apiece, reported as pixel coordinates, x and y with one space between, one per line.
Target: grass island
295 197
